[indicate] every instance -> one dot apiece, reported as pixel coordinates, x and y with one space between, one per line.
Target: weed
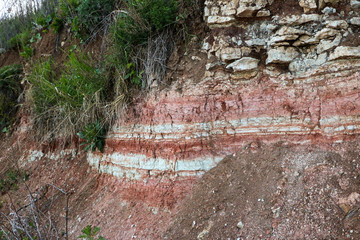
22 19
57 24
20 39
132 74
85 16
44 21
35 38
67 103
9 180
93 136
132 32
89 233
27 52
9 91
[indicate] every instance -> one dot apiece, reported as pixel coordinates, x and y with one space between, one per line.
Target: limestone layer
274 72
188 133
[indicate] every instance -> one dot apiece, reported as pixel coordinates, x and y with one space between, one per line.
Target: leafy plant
142 20
67 103
85 16
57 24
89 233
93 136
35 38
28 52
9 91
9 180
44 21
132 74
20 39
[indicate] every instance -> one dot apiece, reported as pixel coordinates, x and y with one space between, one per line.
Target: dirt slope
275 192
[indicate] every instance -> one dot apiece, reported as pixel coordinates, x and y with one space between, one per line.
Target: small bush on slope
22 21
9 91
63 105
85 16
142 20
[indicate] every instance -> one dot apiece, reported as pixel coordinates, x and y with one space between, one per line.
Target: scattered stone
244 64
337 24
355 4
328 10
220 19
345 52
355 21
263 13
308 5
305 40
248 7
281 55
2 50
203 233
322 3
326 33
299 20
326 45
228 53
240 225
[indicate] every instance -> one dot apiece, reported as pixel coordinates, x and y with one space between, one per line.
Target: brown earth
275 192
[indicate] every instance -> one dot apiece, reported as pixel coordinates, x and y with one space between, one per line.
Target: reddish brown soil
10 57
276 193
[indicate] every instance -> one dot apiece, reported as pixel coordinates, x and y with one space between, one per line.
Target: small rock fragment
281 55
308 5
345 52
338 24
355 4
240 225
244 64
355 21
248 7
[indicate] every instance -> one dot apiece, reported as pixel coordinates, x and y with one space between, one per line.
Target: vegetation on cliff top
69 97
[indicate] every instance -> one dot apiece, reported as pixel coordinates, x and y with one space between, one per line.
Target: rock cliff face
274 84
275 71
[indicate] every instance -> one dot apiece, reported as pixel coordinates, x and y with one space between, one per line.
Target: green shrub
67 103
20 39
10 88
27 52
44 21
57 24
132 30
9 180
158 13
143 18
43 90
85 16
89 233
93 136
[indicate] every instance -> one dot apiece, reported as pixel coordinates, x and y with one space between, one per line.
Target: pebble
240 225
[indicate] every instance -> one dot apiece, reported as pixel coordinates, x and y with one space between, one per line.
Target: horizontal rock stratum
300 87
188 133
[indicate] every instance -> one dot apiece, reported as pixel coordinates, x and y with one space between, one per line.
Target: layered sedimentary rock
287 75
